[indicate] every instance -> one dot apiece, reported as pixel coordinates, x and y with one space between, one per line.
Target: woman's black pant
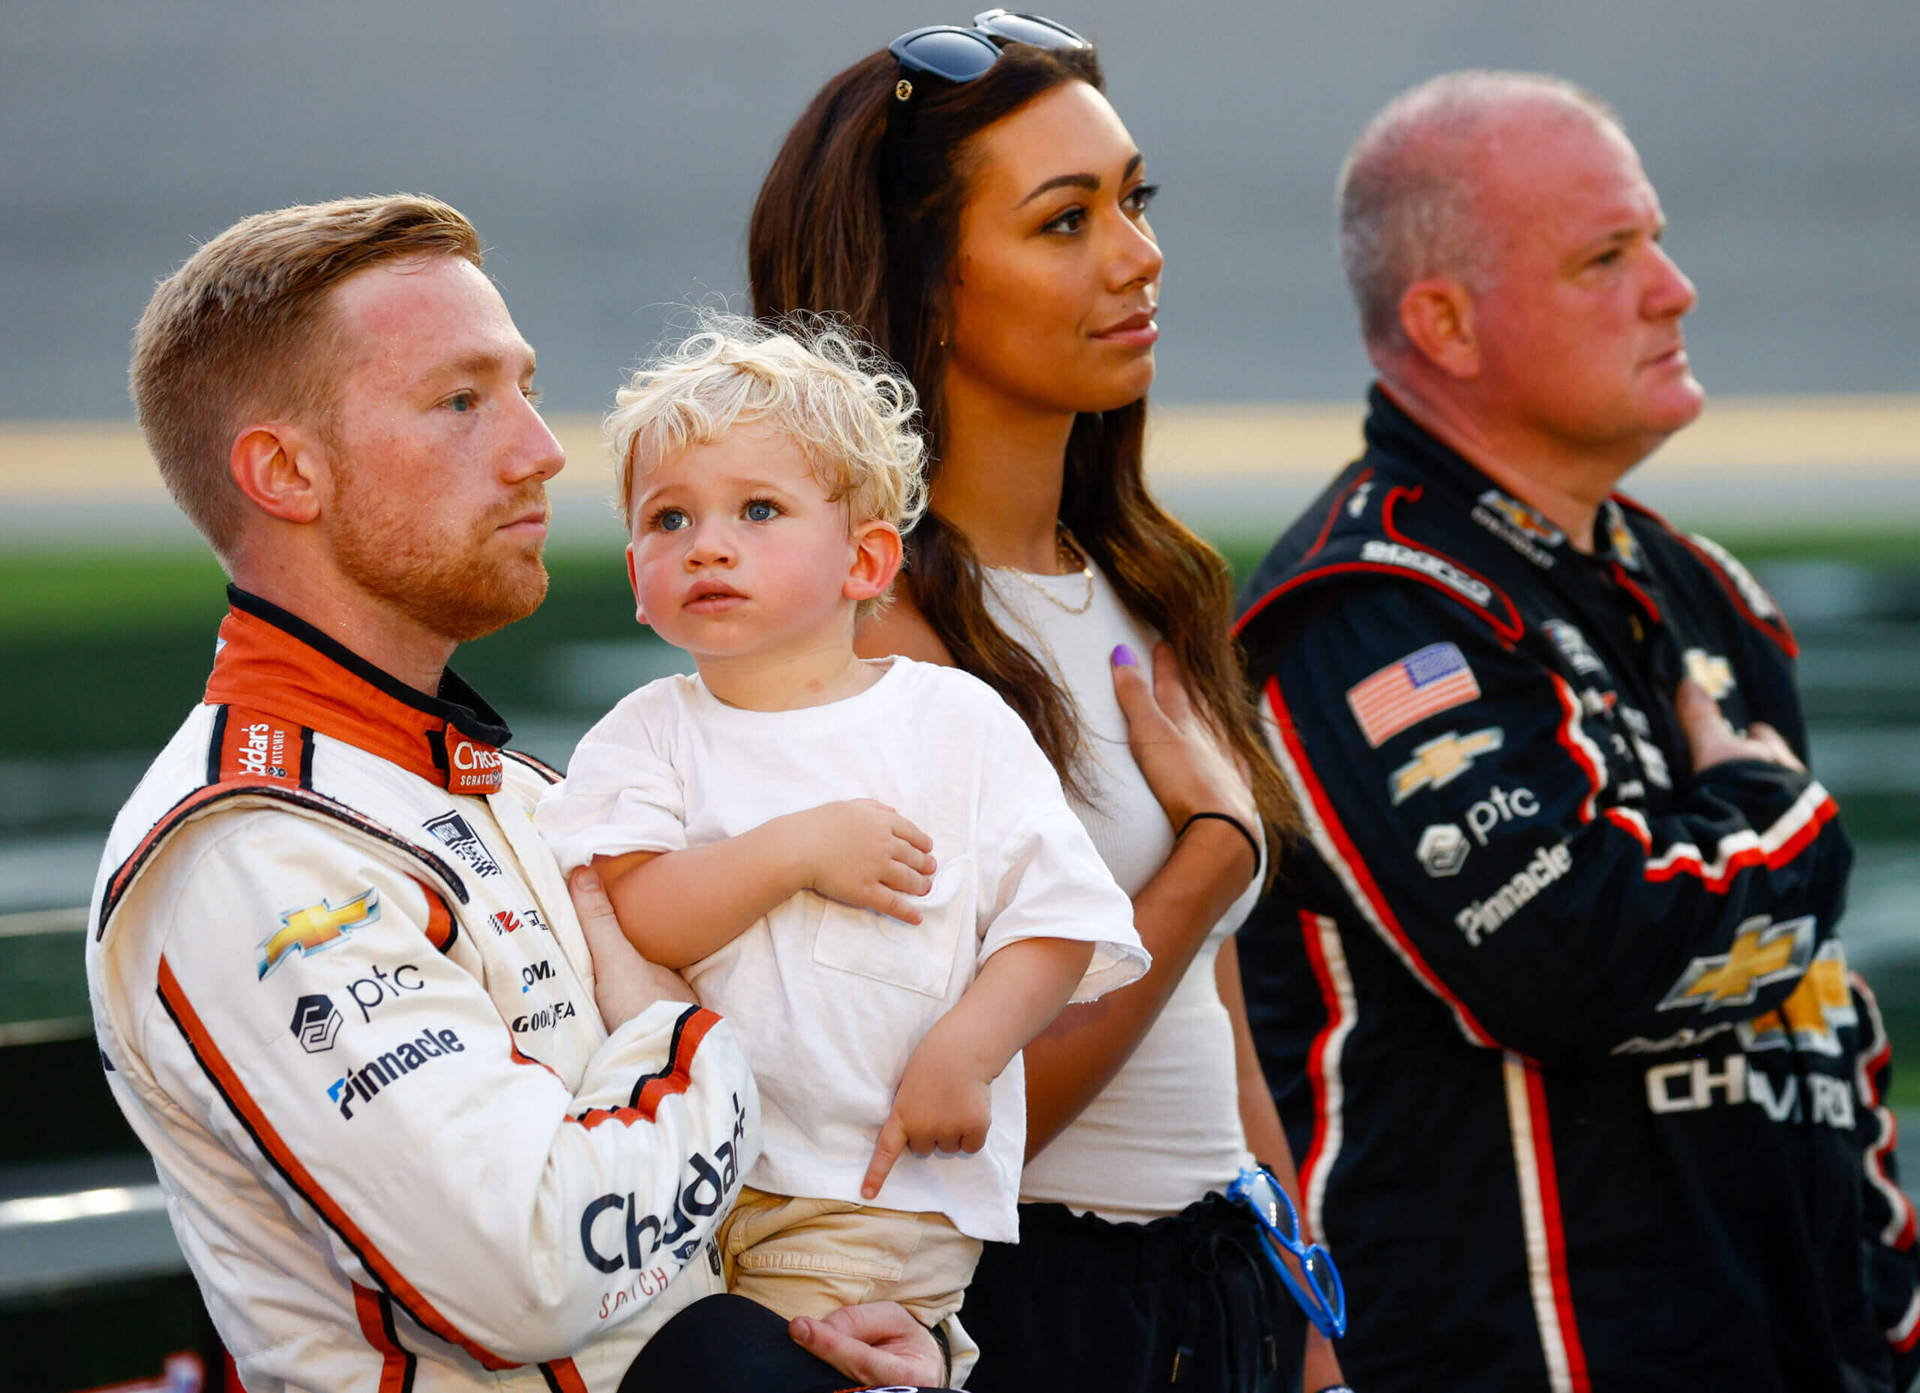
1187 1302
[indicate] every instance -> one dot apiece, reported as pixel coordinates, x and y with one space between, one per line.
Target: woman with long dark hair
969 198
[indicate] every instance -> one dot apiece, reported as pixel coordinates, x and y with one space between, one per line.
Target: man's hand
863 853
875 1343
624 983
943 1104
1714 741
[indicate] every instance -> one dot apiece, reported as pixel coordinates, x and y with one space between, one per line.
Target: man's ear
1436 315
633 579
279 469
876 560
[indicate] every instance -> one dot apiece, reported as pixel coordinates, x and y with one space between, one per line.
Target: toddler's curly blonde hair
809 377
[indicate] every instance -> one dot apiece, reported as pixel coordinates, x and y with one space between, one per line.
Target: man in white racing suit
413 1134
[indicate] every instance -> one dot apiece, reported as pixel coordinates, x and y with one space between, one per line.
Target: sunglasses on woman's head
957 54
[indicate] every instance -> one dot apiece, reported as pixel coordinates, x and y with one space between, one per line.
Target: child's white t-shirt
831 1000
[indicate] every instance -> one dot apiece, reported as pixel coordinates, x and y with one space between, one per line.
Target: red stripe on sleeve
1900 1231
275 1148
1802 826
675 1078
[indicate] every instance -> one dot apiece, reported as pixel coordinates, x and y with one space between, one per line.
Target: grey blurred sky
610 153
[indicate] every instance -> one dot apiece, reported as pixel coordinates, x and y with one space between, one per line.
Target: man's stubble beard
460 590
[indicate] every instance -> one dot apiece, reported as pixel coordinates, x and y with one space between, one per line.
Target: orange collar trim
273 664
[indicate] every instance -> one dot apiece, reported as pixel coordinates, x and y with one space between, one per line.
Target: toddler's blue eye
761 511
671 520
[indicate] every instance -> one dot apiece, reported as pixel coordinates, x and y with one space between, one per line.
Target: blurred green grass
96 592
104 649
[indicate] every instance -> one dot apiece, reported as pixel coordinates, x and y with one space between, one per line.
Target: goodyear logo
1762 952
1443 759
316 927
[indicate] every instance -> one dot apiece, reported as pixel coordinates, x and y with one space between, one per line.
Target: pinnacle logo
1443 759
1762 952
317 927
1483 917
362 1082
1710 671
1809 1019
315 1023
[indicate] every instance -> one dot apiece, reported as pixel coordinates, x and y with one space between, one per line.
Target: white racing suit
342 996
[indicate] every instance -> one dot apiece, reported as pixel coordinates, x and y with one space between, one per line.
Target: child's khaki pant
807 1257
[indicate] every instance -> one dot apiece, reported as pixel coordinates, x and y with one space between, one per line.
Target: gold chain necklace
1068 552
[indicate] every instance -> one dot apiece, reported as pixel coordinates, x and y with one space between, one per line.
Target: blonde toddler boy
867 865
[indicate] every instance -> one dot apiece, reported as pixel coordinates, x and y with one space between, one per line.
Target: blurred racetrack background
609 155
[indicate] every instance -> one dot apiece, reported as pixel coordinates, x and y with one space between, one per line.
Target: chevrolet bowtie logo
1442 760
1523 517
316 927
1819 1006
1762 952
1710 671
1625 548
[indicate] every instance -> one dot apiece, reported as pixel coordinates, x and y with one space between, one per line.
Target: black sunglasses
954 54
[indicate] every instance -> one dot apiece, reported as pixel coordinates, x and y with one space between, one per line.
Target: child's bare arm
676 907
943 1102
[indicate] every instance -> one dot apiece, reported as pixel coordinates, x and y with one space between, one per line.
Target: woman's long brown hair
860 216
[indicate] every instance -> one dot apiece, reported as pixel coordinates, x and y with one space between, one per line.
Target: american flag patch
1434 679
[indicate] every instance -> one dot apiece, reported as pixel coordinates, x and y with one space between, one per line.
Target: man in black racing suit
1550 993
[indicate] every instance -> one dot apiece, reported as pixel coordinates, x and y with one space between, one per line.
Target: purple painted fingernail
1123 656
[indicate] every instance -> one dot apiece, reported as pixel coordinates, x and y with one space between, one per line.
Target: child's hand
943 1104
863 853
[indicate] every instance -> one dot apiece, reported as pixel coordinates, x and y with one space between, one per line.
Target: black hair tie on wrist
1235 823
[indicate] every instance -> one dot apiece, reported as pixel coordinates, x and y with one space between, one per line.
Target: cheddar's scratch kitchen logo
316 927
713 1181
471 766
262 751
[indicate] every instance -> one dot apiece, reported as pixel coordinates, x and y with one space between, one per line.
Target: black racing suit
1583 1092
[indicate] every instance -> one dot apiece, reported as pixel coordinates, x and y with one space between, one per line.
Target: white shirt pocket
919 957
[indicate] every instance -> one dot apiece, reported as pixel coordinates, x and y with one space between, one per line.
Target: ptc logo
1500 806
315 1023
1443 849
